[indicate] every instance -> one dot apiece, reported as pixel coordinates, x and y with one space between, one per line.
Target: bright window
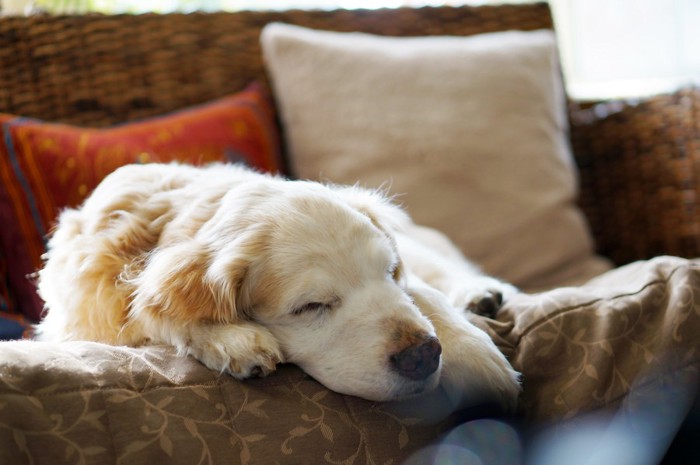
613 48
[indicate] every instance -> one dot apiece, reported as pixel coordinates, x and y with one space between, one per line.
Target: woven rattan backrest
101 70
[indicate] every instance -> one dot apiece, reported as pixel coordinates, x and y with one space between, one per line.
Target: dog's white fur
244 270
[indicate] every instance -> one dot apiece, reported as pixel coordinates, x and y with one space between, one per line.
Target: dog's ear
382 212
193 281
376 205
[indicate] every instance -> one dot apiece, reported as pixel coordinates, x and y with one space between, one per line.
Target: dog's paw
243 351
482 295
475 370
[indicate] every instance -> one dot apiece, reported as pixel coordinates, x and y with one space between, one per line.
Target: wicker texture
640 175
638 162
101 70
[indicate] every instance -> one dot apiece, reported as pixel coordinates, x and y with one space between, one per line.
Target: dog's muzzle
417 362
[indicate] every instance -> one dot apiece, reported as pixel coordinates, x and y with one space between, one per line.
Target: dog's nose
418 362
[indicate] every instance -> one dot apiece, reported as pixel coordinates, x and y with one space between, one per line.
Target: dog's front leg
431 256
474 369
242 349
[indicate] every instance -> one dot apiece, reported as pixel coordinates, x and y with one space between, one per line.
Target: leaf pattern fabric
580 350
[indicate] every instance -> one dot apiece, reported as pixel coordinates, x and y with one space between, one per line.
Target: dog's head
318 267
329 284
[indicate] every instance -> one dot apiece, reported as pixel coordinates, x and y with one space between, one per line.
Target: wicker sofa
90 403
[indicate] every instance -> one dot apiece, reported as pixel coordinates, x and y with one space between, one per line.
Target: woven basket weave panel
640 175
102 70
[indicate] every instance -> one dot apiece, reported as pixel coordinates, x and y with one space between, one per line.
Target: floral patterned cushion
101 404
595 348
583 349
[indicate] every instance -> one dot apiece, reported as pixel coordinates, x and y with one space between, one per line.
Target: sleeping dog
244 270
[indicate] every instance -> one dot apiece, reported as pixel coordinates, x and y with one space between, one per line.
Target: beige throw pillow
469 132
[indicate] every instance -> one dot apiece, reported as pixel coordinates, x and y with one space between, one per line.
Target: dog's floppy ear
192 281
382 212
377 205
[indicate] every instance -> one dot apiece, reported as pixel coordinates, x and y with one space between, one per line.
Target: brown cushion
582 349
579 349
125 405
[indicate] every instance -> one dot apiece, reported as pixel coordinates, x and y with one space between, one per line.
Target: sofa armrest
640 174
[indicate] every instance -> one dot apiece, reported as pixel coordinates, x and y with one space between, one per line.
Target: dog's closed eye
315 307
395 271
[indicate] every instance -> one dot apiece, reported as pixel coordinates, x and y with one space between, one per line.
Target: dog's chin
415 389
400 389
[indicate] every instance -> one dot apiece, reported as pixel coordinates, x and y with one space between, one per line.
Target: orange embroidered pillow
46 167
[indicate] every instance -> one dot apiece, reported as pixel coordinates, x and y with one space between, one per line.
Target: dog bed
588 349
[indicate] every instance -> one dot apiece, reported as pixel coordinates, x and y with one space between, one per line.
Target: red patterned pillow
46 167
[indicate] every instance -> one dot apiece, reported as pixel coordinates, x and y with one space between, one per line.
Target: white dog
244 271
